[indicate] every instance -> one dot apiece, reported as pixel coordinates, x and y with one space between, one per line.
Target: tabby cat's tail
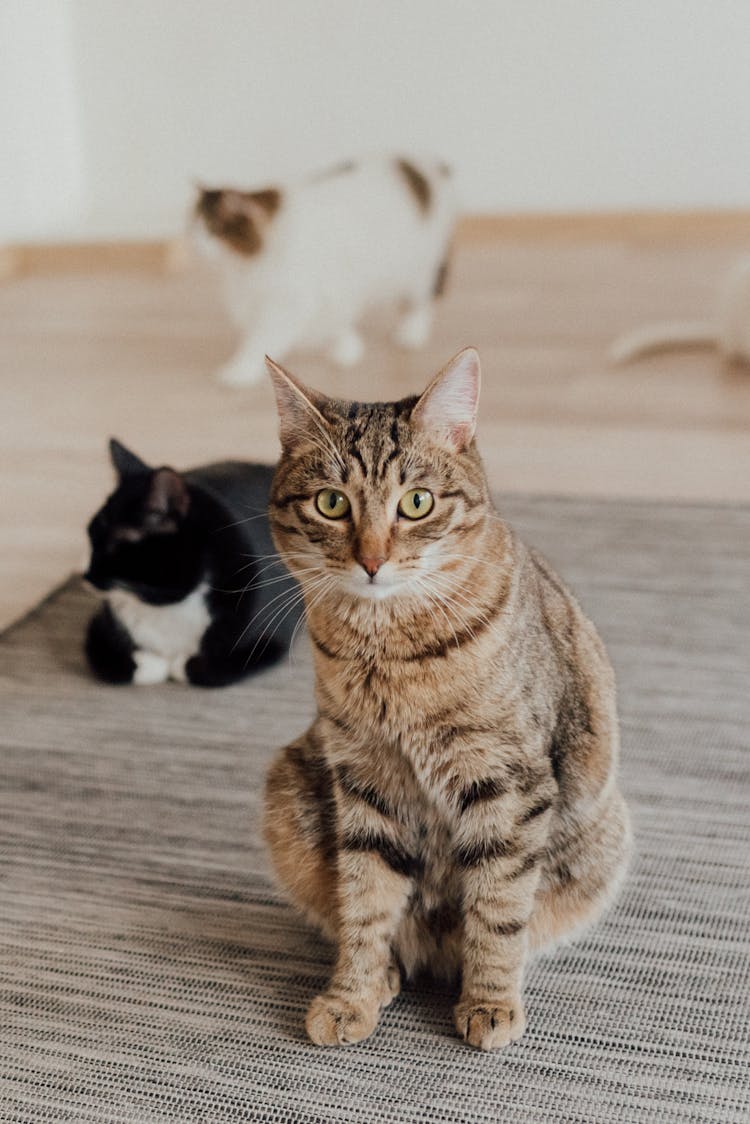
663 337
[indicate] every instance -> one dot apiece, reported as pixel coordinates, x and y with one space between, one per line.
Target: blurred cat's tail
653 338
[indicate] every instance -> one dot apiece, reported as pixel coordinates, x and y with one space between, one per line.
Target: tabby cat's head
143 538
380 501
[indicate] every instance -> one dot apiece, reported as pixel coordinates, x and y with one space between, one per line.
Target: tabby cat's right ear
298 406
125 462
447 411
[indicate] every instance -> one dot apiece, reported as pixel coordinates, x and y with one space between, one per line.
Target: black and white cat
171 552
301 263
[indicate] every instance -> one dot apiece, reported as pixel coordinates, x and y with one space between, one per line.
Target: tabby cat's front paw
490 1024
333 1021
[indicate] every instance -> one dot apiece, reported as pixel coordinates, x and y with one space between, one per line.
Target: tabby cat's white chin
376 592
385 586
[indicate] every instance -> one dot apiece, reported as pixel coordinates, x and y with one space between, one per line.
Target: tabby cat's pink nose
372 565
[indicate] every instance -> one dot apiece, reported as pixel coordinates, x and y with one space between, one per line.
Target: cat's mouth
387 582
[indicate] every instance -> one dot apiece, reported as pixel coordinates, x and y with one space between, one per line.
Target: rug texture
151 972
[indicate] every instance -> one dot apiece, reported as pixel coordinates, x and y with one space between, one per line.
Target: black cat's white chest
173 631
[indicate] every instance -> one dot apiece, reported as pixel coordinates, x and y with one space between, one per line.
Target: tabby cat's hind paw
490 1024
333 1021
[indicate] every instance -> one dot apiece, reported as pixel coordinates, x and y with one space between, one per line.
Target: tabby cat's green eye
416 504
332 503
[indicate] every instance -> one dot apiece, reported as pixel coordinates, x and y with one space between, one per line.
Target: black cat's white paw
150 669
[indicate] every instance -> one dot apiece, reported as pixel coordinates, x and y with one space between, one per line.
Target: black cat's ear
168 494
299 408
447 411
125 462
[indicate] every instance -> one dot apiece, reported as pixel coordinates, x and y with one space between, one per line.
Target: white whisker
280 614
450 590
285 577
246 519
308 607
429 595
284 593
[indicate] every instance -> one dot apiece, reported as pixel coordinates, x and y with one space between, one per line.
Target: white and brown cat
301 264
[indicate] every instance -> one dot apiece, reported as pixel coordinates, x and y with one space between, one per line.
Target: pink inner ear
459 435
168 492
448 408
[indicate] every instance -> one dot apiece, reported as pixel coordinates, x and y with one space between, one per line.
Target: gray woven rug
150 972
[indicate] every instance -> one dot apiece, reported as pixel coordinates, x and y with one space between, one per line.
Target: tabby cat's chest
398 703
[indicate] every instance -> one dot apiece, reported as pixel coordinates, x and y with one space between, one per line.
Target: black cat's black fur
191 541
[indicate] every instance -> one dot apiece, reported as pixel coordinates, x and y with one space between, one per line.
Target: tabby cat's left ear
447 411
297 406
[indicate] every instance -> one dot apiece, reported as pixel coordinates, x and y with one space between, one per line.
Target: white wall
41 158
541 104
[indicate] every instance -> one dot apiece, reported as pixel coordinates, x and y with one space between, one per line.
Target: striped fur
455 805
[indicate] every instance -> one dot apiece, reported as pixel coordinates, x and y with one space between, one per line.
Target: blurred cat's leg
413 330
245 368
109 648
347 348
276 330
418 313
300 829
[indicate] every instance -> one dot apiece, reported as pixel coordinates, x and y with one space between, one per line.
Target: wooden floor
86 356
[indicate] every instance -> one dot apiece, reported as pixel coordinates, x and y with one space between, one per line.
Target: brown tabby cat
454 806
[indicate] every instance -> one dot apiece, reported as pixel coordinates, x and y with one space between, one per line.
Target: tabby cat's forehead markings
395 446
372 435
